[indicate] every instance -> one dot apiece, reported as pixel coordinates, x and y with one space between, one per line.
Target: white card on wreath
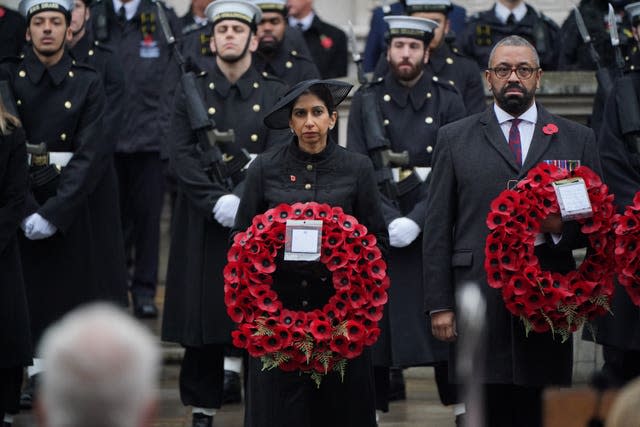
303 240
573 199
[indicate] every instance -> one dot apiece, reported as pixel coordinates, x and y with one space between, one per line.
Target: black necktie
122 15
300 27
511 19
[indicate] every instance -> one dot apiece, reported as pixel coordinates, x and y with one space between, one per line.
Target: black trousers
202 376
620 366
10 383
141 185
508 405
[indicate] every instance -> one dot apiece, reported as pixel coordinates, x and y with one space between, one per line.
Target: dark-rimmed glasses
523 72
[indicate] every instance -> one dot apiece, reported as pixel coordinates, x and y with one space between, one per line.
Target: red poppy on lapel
326 41
2 12
550 129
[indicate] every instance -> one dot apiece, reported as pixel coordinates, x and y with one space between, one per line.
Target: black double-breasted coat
472 165
15 337
621 172
411 119
194 310
288 63
339 178
63 106
328 46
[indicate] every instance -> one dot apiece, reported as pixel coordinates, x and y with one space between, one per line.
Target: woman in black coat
311 168
15 340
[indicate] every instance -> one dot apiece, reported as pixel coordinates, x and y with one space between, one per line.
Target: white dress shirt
526 126
305 22
502 12
130 7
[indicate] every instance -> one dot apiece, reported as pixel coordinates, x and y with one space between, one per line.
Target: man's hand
225 209
37 228
402 232
551 224
443 325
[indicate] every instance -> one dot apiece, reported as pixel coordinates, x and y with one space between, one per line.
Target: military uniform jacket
328 47
472 165
62 106
339 178
151 74
15 337
621 172
195 47
12 32
194 311
288 64
104 201
484 30
411 119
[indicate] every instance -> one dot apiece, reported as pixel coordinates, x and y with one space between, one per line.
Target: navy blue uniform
151 75
287 63
484 30
12 32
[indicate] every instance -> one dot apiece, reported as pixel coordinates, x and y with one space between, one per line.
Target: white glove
225 209
402 231
36 227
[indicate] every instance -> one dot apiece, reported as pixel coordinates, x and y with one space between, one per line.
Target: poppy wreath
544 300
627 231
314 342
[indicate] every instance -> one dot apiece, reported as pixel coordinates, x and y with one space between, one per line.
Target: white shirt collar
531 115
306 21
502 12
200 20
130 7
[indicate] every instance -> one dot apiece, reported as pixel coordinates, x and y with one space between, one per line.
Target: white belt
58 158
422 173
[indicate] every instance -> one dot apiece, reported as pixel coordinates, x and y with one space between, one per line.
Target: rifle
99 16
220 167
602 73
615 40
378 145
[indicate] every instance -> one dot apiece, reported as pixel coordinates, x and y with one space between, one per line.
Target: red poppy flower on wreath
627 249
322 340
546 300
550 129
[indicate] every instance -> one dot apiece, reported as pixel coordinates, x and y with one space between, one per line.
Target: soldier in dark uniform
445 60
327 43
620 156
412 105
195 15
574 54
236 96
103 202
132 30
511 17
12 29
14 315
60 102
276 53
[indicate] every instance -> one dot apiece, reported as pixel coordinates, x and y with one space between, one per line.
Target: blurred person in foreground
101 371
625 411
14 315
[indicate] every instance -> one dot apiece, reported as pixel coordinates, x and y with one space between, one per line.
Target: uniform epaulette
444 83
192 27
272 77
83 65
103 47
295 54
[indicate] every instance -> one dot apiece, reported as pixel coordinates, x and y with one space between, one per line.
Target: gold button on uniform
449 61
387 97
307 186
435 78
256 85
294 52
265 74
90 52
71 74
63 137
428 120
304 283
256 108
288 64
67 105
22 73
429 95
386 122
305 303
452 83
212 86
19 102
309 167
429 149
211 111
254 137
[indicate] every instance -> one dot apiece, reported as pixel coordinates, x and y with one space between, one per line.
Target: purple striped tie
514 141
